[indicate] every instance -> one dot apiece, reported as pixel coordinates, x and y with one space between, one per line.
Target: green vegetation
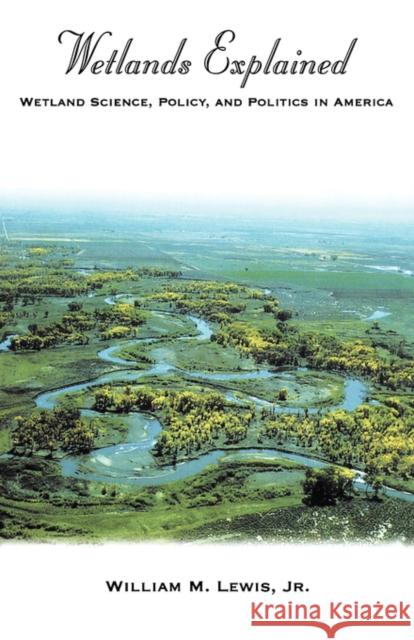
215 301
324 487
317 324
378 439
219 504
193 421
347 521
49 431
78 326
286 345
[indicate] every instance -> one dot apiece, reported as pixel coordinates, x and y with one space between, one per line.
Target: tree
374 482
282 394
75 306
49 431
323 487
284 314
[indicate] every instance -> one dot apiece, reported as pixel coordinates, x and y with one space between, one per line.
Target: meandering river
131 462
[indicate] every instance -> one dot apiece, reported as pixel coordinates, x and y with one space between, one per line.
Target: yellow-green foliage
53 430
192 419
215 301
115 332
38 251
379 439
97 280
75 327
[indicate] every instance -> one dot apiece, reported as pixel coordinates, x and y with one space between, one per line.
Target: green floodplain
181 379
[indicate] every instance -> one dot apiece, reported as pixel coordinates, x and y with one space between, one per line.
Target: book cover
206 303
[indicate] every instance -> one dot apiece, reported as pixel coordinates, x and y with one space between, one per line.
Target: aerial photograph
205 378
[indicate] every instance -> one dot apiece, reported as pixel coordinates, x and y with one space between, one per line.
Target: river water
132 462
6 343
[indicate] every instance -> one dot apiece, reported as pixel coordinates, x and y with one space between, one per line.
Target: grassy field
74 509
253 500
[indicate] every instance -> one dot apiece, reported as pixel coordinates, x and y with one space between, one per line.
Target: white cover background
363 157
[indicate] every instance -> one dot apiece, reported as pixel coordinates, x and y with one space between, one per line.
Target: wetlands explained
91 53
